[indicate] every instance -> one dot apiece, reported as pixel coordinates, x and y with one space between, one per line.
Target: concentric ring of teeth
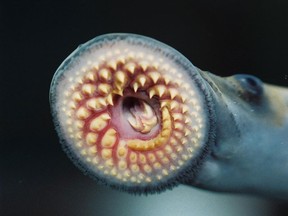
167 117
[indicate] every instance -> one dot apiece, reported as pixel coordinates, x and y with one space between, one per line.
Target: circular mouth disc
130 111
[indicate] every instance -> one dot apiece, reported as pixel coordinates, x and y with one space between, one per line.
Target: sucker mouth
130 115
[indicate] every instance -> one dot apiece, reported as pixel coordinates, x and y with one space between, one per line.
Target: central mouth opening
139 117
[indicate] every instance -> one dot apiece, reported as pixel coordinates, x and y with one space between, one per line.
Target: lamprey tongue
129 112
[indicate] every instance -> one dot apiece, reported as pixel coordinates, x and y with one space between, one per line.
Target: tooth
173 92
88 89
173 141
178 126
93 150
91 138
118 91
133 179
109 100
157 165
131 55
179 149
122 152
185 108
168 149
177 116
83 152
173 156
79 80
187 132
79 144
152 92
148 179
96 103
178 134
154 76
160 89
184 98
165 172
187 120
109 163
160 154
135 168
133 157
144 65
167 79
184 141
109 138
105 74
164 103
104 88
121 78
122 165
100 122
166 67
174 105
165 133
106 154
142 79
147 168
151 157
135 124
102 58
82 113
72 105
195 129
112 64
142 158
135 86
95 160
77 96
165 160
130 67
90 76
121 59
113 172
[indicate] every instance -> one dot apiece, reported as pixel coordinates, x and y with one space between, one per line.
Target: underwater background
36 176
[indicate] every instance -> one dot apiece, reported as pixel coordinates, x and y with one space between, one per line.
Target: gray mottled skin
250 154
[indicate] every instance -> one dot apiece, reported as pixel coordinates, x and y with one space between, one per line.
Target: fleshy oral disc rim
168 122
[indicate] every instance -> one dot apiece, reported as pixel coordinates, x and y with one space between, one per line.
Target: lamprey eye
251 85
132 112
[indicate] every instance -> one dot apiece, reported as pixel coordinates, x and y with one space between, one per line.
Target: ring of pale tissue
131 111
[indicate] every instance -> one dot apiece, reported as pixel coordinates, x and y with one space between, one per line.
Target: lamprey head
132 112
